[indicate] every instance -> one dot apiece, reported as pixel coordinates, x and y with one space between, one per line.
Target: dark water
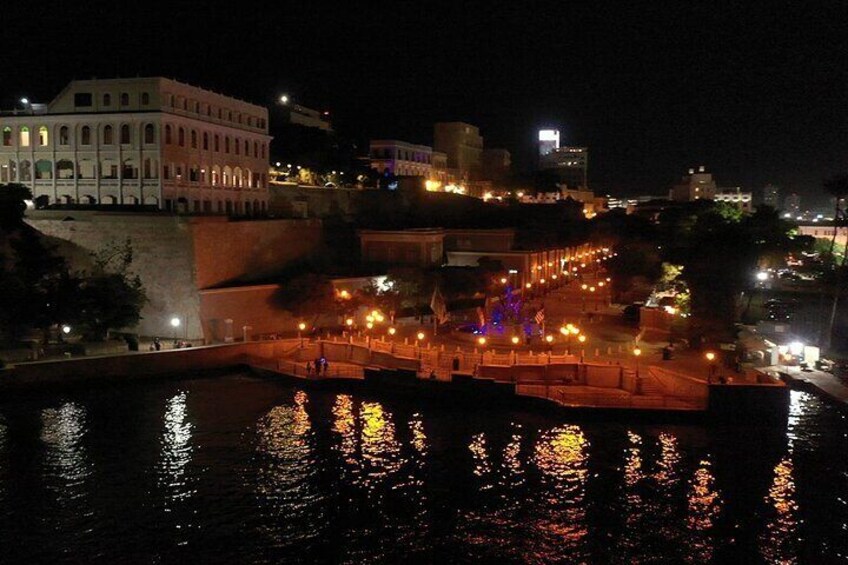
242 470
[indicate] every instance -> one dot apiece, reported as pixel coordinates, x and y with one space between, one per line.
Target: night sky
757 93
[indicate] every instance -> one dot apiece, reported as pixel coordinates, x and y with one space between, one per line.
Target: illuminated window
24 136
42 136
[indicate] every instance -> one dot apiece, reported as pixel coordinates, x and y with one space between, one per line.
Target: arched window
130 169
226 144
125 99
85 135
42 136
12 175
7 136
217 143
108 138
247 148
145 98
26 171
248 178
193 139
216 175
107 99
43 169
237 177
181 137
87 169
168 134
205 141
237 145
24 139
125 134
256 149
151 170
108 168
263 150
63 135
228 177
149 134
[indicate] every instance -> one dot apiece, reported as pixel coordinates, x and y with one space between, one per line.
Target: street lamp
582 340
515 340
175 323
284 99
711 359
636 353
481 340
66 329
300 327
392 331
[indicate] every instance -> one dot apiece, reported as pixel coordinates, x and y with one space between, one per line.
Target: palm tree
836 186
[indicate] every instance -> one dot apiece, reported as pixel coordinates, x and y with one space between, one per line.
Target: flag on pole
438 306
540 316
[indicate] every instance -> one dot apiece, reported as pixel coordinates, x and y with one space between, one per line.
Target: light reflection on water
62 431
324 477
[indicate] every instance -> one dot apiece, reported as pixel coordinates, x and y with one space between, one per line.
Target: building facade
401 158
463 145
140 141
569 164
697 185
496 164
771 196
742 200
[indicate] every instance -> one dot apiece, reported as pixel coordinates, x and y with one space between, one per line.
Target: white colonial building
151 141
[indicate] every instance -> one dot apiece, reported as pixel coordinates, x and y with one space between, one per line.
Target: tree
837 187
13 199
110 297
307 295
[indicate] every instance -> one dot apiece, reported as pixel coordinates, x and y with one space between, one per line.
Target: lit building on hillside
569 164
463 145
735 196
140 141
697 185
401 158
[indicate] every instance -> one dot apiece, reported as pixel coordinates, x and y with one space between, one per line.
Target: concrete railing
678 384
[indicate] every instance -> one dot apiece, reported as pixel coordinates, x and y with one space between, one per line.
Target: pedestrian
326 367
309 368
157 344
432 374
455 363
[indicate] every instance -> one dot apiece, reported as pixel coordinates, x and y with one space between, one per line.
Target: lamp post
175 323
711 360
636 353
582 340
300 327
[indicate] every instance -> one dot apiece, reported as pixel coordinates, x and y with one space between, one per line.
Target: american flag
540 315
